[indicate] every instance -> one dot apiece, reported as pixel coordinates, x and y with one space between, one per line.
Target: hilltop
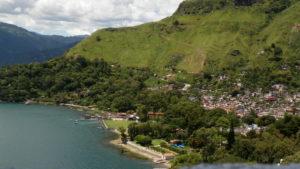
19 45
204 35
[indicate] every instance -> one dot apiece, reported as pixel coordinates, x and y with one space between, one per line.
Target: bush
244 2
190 159
195 7
143 140
277 6
164 144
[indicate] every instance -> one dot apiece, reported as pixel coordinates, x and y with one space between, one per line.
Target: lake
45 137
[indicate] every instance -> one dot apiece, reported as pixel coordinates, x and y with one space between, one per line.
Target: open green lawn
156 142
117 124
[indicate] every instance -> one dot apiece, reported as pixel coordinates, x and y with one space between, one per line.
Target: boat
28 102
76 122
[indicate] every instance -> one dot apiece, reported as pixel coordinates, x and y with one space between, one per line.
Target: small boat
28 102
76 122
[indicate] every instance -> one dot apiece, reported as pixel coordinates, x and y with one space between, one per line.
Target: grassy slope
198 38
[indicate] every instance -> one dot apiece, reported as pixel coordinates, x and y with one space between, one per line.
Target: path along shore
139 150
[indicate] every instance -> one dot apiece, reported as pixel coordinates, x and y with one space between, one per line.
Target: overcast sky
76 17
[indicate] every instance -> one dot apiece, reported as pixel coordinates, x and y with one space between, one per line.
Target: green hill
210 35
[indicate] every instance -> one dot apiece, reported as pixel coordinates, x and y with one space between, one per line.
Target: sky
81 17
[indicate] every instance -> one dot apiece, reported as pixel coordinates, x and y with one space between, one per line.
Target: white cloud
73 17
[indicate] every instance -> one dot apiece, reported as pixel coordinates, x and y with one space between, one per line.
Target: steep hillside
203 35
18 45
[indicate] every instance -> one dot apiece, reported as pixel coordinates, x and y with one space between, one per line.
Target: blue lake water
45 137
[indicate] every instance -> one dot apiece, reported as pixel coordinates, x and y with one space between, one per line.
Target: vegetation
244 41
233 35
210 134
114 124
143 140
122 130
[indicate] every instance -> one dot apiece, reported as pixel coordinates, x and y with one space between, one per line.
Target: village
277 102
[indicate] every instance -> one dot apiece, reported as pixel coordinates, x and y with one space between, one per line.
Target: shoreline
132 147
137 149
140 151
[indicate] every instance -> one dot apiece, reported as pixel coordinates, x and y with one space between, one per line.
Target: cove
45 137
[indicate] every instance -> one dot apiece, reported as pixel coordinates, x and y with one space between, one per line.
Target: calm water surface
45 137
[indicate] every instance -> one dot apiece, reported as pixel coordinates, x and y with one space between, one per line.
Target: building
155 115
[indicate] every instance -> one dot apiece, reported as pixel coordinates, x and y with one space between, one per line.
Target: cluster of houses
276 102
120 116
131 116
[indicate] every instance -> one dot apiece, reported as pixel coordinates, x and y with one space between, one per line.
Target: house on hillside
119 116
155 115
270 97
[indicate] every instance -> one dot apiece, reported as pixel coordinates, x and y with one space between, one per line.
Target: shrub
181 160
194 7
143 140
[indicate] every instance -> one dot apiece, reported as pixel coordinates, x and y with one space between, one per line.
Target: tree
223 122
270 149
187 159
231 136
293 159
122 130
142 112
251 134
244 148
143 140
244 2
289 125
265 120
250 118
277 6
122 104
207 139
132 131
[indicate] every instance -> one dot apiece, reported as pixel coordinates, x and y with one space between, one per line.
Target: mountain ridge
19 45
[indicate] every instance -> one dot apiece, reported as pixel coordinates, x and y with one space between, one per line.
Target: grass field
117 124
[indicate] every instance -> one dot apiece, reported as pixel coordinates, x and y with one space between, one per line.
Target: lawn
156 142
117 124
